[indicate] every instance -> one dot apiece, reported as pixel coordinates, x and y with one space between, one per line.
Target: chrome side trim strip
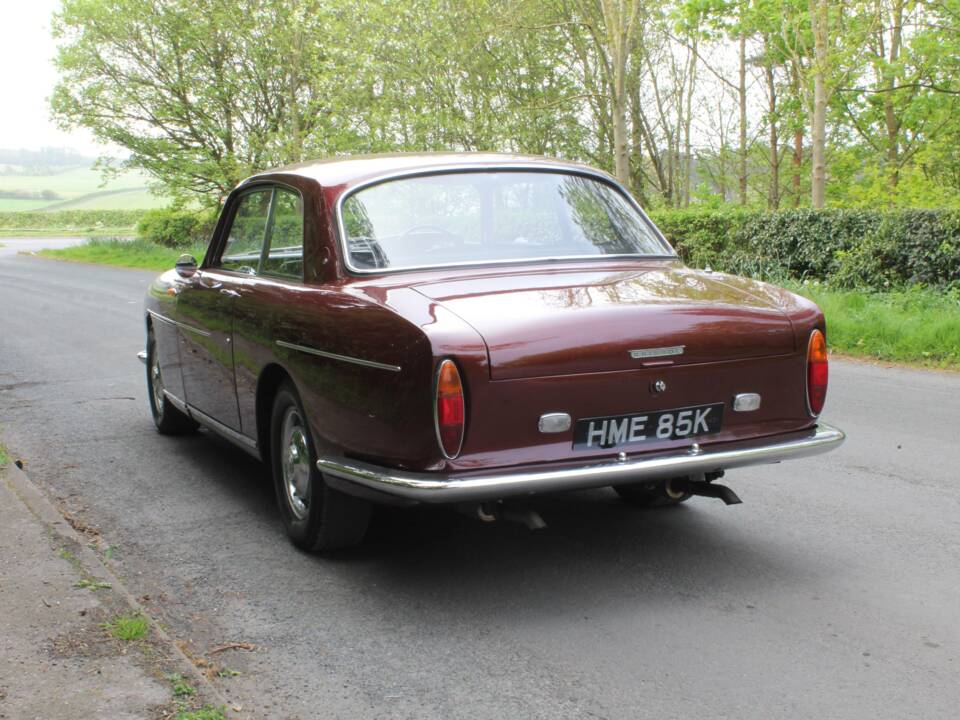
489 485
341 358
248 444
239 439
183 326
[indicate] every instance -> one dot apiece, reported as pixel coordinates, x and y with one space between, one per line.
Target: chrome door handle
229 292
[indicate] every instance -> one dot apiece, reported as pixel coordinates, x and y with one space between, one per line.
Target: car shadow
596 551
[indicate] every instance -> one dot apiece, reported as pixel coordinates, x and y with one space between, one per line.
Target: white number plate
618 430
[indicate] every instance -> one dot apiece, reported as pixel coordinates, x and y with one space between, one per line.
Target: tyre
316 516
653 493
168 419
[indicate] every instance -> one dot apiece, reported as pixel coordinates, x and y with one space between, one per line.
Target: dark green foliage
177 228
847 248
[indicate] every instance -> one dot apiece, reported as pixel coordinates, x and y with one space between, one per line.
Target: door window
245 242
285 250
266 236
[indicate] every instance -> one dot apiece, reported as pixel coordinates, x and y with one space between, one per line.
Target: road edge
35 500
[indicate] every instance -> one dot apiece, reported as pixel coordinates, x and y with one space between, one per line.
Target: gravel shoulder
60 606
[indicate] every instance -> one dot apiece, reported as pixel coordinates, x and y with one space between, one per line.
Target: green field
79 188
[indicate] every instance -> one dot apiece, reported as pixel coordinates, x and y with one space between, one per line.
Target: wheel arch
271 377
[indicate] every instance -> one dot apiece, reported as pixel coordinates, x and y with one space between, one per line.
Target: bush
177 228
863 249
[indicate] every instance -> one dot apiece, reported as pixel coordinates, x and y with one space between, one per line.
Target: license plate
636 428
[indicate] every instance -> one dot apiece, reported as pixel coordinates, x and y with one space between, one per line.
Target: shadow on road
435 559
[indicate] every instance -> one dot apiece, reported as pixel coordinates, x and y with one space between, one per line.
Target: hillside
78 187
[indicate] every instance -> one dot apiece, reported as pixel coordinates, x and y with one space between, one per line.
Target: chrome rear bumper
495 484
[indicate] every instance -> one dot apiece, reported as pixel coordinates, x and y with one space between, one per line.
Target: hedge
862 249
38 220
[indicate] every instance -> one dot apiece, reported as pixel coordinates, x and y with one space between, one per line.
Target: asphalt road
832 592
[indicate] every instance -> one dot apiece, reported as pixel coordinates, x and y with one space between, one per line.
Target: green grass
140 254
4 458
207 712
918 326
181 688
91 584
128 627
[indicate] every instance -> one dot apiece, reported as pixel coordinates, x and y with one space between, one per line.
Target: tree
199 93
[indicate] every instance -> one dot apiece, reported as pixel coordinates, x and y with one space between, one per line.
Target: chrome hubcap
295 463
156 383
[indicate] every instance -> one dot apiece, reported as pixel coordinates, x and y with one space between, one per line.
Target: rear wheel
166 417
652 493
316 516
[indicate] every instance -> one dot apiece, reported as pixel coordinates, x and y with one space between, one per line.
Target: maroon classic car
473 329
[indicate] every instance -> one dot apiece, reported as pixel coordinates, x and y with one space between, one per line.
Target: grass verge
141 254
917 326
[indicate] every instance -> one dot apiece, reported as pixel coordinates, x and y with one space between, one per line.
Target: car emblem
644 353
658 386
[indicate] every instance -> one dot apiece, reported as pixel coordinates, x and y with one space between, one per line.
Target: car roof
354 169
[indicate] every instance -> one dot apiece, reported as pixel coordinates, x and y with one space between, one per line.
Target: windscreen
477 217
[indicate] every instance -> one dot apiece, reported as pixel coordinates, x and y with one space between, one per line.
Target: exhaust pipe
704 488
493 511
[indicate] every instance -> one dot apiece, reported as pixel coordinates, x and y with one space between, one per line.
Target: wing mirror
186 266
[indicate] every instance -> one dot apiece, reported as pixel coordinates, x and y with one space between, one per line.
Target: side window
285 252
245 242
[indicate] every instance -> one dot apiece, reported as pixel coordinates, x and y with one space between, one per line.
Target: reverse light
450 409
817 372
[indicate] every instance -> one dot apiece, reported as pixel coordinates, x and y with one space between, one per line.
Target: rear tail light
450 410
816 372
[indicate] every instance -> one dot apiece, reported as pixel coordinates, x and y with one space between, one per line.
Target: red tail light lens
450 411
817 372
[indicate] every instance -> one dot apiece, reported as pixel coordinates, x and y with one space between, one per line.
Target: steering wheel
442 236
426 230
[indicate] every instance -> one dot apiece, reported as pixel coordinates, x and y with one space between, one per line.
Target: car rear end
613 368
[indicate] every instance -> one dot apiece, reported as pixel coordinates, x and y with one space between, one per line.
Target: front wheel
166 417
316 516
653 493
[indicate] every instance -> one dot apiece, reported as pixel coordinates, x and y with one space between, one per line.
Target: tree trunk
889 111
818 124
797 164
620 20
773 195
688 120
742 92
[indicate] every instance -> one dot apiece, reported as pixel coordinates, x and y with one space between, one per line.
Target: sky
27 80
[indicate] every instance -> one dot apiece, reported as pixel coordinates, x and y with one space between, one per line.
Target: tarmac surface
833 591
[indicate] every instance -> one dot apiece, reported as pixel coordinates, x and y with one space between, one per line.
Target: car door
205 310
267 305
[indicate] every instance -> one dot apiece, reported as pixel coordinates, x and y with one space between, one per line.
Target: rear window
477 217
